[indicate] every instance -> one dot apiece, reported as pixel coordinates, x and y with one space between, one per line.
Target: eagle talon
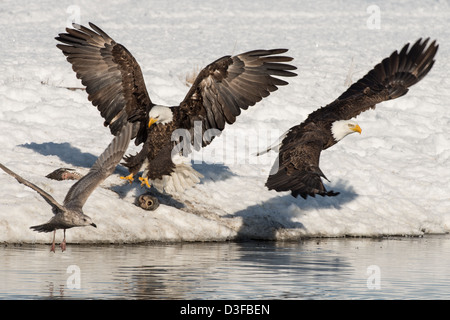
129 178
144 181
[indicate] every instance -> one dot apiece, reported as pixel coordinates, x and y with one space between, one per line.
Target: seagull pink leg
63 244
52 249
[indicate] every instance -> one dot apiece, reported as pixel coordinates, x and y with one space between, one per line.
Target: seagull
70 213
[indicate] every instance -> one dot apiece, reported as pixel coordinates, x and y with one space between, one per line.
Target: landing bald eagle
115 85
297 166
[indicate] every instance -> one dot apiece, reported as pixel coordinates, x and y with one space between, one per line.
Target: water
396 268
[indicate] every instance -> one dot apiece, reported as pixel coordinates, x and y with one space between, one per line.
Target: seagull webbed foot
63 245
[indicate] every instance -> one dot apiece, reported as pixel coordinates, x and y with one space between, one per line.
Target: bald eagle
297 167
115 85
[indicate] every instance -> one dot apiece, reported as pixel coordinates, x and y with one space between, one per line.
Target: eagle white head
342 128
160 114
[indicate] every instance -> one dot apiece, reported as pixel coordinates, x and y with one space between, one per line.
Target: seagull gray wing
56 207
102 168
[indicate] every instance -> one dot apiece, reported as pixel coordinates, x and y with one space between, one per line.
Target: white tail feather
182 178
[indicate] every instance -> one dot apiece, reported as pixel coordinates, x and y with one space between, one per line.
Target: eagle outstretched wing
232 83
112 76
389 79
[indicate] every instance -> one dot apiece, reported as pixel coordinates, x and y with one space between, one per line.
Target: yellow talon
129 178
144 181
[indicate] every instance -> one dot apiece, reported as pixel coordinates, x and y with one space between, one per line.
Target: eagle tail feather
300 183
181 178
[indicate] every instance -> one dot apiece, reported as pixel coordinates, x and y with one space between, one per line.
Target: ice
394 178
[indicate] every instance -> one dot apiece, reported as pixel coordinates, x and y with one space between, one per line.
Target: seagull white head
81 220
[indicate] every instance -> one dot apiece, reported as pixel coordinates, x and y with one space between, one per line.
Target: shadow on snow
264 220
258 220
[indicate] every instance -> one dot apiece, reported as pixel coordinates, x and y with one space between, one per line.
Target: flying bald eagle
297 166
115 85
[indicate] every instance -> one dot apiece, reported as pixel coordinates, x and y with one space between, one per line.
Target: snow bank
393 179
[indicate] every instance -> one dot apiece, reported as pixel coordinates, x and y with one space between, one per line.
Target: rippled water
398 268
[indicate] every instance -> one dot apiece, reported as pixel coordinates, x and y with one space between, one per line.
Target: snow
394 178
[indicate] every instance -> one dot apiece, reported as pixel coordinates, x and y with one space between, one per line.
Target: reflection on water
400 268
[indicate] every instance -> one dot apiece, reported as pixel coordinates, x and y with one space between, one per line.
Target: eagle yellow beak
151 121
357 128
